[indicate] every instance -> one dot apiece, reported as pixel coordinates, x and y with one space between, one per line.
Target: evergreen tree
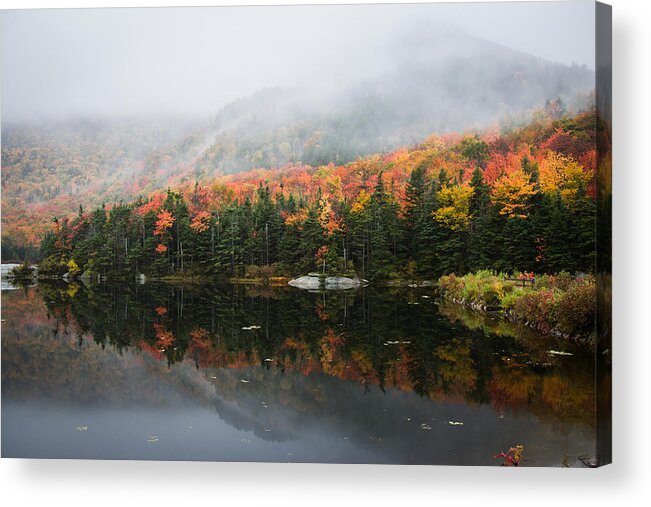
559 238
481 233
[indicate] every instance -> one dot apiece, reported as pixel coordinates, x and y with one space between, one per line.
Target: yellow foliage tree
297 218
361 202
512 192
562 173
454 212
73 269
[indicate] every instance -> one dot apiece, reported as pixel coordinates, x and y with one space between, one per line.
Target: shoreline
510 317
280 282
561 305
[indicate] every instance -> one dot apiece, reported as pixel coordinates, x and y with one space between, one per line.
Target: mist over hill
461 83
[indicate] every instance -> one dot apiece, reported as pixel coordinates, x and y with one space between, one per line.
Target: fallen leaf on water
244 381
558 353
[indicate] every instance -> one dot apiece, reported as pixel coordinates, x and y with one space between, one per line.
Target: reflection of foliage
562 396
457 369
374 338
165 338
512 387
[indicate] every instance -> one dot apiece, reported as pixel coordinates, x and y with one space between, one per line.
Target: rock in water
315 282
341 282
309 282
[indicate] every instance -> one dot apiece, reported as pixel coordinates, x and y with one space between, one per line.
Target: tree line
439 222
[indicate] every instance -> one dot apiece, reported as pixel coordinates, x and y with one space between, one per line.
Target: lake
236 373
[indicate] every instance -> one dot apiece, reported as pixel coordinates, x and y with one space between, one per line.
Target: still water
234 373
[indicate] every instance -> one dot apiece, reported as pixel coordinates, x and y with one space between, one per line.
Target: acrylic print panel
347 234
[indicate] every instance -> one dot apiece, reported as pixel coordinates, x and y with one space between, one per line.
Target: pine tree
382 232
583 222
559 238
414 206
480 235
427 234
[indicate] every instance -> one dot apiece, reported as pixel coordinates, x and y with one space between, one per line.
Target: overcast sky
191 61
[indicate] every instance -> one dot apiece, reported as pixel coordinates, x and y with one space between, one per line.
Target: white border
106 483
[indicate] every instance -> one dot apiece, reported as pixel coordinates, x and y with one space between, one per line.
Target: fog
59 64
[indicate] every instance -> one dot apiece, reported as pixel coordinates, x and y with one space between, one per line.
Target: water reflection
235 373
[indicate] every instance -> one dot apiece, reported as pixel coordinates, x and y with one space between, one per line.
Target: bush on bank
559 304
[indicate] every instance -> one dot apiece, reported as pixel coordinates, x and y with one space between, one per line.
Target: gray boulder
314 282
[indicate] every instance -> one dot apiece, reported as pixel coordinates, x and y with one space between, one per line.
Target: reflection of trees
512 387
373 338
457 369
561 395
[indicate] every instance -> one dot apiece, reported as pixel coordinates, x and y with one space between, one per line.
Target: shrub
73 268
509 299
252 271
576 311
563 280
538 308
492 292
451 286
470 291
545 281
53 266
266 272
22 272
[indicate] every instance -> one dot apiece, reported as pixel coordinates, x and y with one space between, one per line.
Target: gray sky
191 61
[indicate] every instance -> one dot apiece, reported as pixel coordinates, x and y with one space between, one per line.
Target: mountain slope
462 83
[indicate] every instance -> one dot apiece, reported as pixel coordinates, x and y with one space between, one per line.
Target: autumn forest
522 200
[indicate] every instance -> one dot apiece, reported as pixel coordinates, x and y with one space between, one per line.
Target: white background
626 482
